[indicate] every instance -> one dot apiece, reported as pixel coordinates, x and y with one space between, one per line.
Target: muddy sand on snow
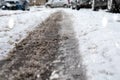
45 53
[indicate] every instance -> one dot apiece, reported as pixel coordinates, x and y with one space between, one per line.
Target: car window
56 0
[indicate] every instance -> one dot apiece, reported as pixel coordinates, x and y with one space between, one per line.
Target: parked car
77 4
73 4
57 3
97 4
111 5
15 5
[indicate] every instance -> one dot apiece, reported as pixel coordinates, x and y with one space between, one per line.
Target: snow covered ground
97 32
99 42
14 26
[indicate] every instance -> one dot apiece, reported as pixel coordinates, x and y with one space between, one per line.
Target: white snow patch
54 75
11 23
104 21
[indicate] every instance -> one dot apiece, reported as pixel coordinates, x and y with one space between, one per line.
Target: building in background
37 2
31 2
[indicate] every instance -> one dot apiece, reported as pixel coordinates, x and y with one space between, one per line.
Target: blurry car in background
111 5
97 4
77 4
57 3
15 5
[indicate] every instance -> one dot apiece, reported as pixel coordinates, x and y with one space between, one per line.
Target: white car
57 3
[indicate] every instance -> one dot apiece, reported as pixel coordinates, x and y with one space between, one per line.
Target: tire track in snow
68 65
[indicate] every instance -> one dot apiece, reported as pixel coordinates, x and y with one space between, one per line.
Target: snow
54 75
97 32
99 42
14 26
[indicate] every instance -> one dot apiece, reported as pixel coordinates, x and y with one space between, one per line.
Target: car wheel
4 8
65 6
78 7
28 9
110 5
73 7
48 6
94 8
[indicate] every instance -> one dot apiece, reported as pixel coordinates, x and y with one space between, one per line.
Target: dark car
97 4
77 4
15 5
111 5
